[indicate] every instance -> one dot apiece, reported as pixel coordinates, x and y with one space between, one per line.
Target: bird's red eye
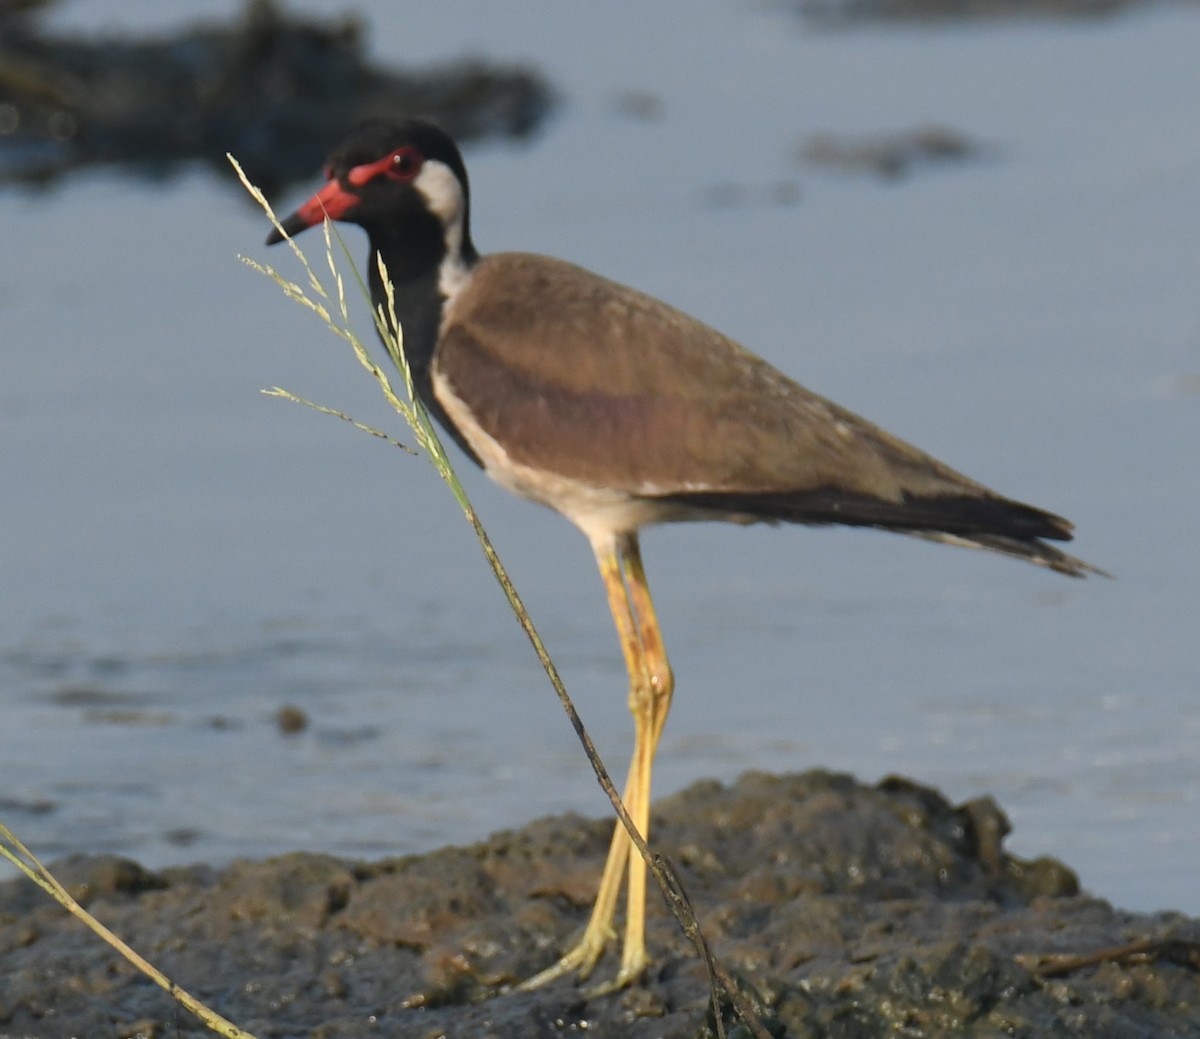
327 171
404 164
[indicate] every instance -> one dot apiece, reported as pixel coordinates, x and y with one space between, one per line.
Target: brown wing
579 376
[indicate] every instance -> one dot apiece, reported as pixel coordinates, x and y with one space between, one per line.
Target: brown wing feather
576 375
580 376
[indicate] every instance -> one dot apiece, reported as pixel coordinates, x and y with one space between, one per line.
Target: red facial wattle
335 200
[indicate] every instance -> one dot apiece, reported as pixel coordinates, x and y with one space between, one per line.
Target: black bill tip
291 225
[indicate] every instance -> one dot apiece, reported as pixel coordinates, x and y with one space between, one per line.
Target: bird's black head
403 182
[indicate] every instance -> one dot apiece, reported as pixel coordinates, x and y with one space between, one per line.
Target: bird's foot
624 977
582 958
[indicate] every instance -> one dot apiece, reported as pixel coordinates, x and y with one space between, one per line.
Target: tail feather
1032 550
984 520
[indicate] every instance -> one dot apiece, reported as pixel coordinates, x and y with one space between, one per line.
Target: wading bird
618 411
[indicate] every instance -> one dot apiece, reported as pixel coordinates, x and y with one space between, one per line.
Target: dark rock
274 90
841 910
291 720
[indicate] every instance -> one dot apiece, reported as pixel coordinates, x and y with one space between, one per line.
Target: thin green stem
415 414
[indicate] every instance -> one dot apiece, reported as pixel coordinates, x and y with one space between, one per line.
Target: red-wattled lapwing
617 411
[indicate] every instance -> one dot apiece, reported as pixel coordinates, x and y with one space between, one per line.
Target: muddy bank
847 910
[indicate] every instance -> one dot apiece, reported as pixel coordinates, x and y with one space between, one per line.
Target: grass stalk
332 309
21 857
415 415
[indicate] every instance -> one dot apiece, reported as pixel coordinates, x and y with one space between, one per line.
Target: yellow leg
650 687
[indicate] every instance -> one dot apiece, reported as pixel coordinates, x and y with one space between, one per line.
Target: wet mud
845 910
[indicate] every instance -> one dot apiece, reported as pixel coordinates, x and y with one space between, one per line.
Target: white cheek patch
442 192
444 196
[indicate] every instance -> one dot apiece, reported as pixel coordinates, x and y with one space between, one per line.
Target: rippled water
181 557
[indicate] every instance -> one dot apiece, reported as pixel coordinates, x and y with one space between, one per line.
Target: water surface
182 557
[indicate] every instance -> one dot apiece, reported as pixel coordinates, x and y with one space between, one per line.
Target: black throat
419 305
